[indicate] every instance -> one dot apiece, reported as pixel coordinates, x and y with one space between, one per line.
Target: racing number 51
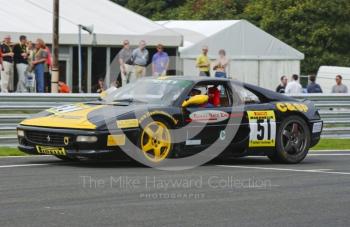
262 129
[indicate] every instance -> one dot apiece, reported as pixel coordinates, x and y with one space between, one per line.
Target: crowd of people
133 62
294 86
33 62
220 66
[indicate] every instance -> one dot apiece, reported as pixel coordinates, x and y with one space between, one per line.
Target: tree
186 9
318 28
205 10
150 8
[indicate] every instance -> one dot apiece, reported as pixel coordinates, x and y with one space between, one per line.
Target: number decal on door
262 128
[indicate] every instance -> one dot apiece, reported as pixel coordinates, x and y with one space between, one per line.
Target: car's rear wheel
155 141
292 142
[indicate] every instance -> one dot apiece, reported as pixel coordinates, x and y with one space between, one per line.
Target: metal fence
334 110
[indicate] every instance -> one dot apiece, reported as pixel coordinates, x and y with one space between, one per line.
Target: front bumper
35 136
78 153
316 131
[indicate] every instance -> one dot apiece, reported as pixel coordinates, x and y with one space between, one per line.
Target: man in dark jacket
282 86
21 60
313 87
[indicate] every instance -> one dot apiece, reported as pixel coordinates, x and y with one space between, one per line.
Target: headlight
20 133
86 139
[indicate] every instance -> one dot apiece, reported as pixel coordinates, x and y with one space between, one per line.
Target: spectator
63 87
21 60
313 87
38 64
47 74
294 86
339 87
126 63
160 62
101 87
203 63
221 65
7 61
2 67
30 81
282 86
140 57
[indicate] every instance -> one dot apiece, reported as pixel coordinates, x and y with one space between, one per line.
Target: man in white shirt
294 86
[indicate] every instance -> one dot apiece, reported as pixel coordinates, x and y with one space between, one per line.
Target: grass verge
333 144
325 144
10 151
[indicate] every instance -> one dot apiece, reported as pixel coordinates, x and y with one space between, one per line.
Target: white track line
328 155
24 165
289 170
27 156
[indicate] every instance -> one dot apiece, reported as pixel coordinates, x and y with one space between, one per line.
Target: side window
249 97
225 99
219 95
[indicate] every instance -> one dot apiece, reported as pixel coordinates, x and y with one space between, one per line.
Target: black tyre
292 141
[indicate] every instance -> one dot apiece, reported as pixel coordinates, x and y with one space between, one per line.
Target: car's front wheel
292 142
155 141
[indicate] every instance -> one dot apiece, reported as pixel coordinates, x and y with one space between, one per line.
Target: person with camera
221 64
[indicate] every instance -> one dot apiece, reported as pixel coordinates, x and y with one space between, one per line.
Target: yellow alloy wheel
156 141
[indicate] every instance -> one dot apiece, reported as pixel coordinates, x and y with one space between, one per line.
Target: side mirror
196 100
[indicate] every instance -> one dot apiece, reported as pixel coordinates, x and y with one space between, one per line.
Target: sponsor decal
262 128
129 123
150 114
284 107
68 117
193 142
51 150
115 140
223 135
209 116
317 127
67 108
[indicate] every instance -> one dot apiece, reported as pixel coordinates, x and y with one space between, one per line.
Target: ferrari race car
169 118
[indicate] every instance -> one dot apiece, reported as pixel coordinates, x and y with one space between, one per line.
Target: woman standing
39 60
221 65
30 76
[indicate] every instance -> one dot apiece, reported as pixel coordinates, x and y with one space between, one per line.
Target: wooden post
55 47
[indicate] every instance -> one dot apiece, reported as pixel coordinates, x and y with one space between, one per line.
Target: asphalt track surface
43 191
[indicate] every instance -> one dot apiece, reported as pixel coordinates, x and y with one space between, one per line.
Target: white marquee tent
112 23
256 56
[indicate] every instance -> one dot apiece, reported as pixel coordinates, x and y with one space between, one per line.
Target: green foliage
150 9
205 10
318 28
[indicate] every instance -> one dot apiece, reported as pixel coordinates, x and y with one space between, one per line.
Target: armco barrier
334 110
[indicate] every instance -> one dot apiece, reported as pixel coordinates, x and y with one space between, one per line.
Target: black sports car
168 118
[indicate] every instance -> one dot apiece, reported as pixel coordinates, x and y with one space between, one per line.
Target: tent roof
112 23
240 39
